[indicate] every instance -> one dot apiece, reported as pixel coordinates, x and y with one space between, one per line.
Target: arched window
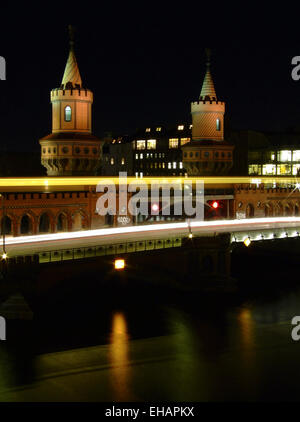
44 226
68 114
218 124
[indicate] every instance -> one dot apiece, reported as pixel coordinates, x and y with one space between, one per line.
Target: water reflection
119 357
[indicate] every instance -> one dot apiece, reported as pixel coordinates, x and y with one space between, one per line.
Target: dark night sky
145 65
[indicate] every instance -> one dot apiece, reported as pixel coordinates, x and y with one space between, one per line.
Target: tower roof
208 91
71 78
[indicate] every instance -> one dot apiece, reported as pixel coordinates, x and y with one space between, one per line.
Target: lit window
133 144
272 156
283 169
141 174
184 140
296 169
158 129
173 143
151 144
269 169
169 165
136 156
296 155
123 161
180 127
147 155
148 129
140 144
218 123
284 156
155 165
141 156
180 165
159 165
136 175
255 169
174 165
191 126
68 114
163 165
112 161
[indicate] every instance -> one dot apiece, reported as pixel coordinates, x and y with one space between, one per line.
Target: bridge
115 241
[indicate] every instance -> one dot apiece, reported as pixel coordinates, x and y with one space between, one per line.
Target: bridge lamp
119 264
247 241
4 256
190 235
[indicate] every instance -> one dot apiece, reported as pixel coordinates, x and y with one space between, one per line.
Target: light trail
235 225
30 182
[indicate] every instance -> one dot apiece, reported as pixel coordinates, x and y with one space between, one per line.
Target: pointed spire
71 78
208 90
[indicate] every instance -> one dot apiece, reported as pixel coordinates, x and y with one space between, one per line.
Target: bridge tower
207 154
71 149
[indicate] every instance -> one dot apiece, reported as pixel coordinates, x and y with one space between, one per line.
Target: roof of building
208 91
71 78
70 136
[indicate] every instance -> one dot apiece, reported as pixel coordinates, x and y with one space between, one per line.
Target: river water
152 344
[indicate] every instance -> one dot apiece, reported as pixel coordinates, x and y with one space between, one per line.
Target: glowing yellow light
247 241
4 256
190 235
93 181
119 264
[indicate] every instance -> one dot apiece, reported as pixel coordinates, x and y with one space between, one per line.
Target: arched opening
249 211
44 226
68 114
26 225
77 221
62 223
268 210
287 210
6 225
279 210
109 220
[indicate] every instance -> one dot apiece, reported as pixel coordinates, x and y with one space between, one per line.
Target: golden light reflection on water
246 324
119 357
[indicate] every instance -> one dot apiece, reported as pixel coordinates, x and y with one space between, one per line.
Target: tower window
218 124
68 114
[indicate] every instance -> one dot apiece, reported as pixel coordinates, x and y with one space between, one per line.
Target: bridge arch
268 207
79 220
45 222
250 210
63 221
7 224
27 223
279 209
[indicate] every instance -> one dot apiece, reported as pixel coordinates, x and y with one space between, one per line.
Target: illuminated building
152 151
71 149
